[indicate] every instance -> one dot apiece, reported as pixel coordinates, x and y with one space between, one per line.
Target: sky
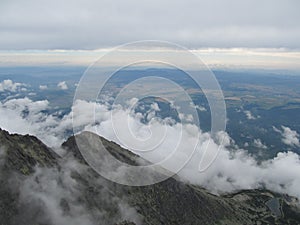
214 58
93 24
209 28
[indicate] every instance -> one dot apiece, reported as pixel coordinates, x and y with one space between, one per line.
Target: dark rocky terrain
39 187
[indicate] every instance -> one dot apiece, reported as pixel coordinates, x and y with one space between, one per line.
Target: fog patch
60 196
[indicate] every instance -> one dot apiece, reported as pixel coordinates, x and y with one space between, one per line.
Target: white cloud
250 116
9 85
289 137
201 108
232 169
47 195
43 193
62 85
43 87
258 143
25 116
155 107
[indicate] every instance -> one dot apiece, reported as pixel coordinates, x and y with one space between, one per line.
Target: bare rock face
84 197
22 153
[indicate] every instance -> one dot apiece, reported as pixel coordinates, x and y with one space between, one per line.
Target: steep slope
18 157
24 159
25 152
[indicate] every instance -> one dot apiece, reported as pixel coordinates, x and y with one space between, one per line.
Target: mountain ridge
169 202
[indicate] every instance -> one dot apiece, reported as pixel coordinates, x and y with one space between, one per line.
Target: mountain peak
24 152
114 149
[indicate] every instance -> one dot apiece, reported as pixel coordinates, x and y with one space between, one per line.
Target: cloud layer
95 24
232 170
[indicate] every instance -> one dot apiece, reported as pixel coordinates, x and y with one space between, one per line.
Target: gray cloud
96 24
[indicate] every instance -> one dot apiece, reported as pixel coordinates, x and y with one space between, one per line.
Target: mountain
38 186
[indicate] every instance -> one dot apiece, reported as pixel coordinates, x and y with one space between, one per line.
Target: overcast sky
94 24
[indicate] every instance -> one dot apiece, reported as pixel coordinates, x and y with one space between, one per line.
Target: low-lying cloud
258 143
250 116
9 85
232 170
25 116
43 87
62 85
289 137
59 196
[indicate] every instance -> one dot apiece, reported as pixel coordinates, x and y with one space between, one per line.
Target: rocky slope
39 187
